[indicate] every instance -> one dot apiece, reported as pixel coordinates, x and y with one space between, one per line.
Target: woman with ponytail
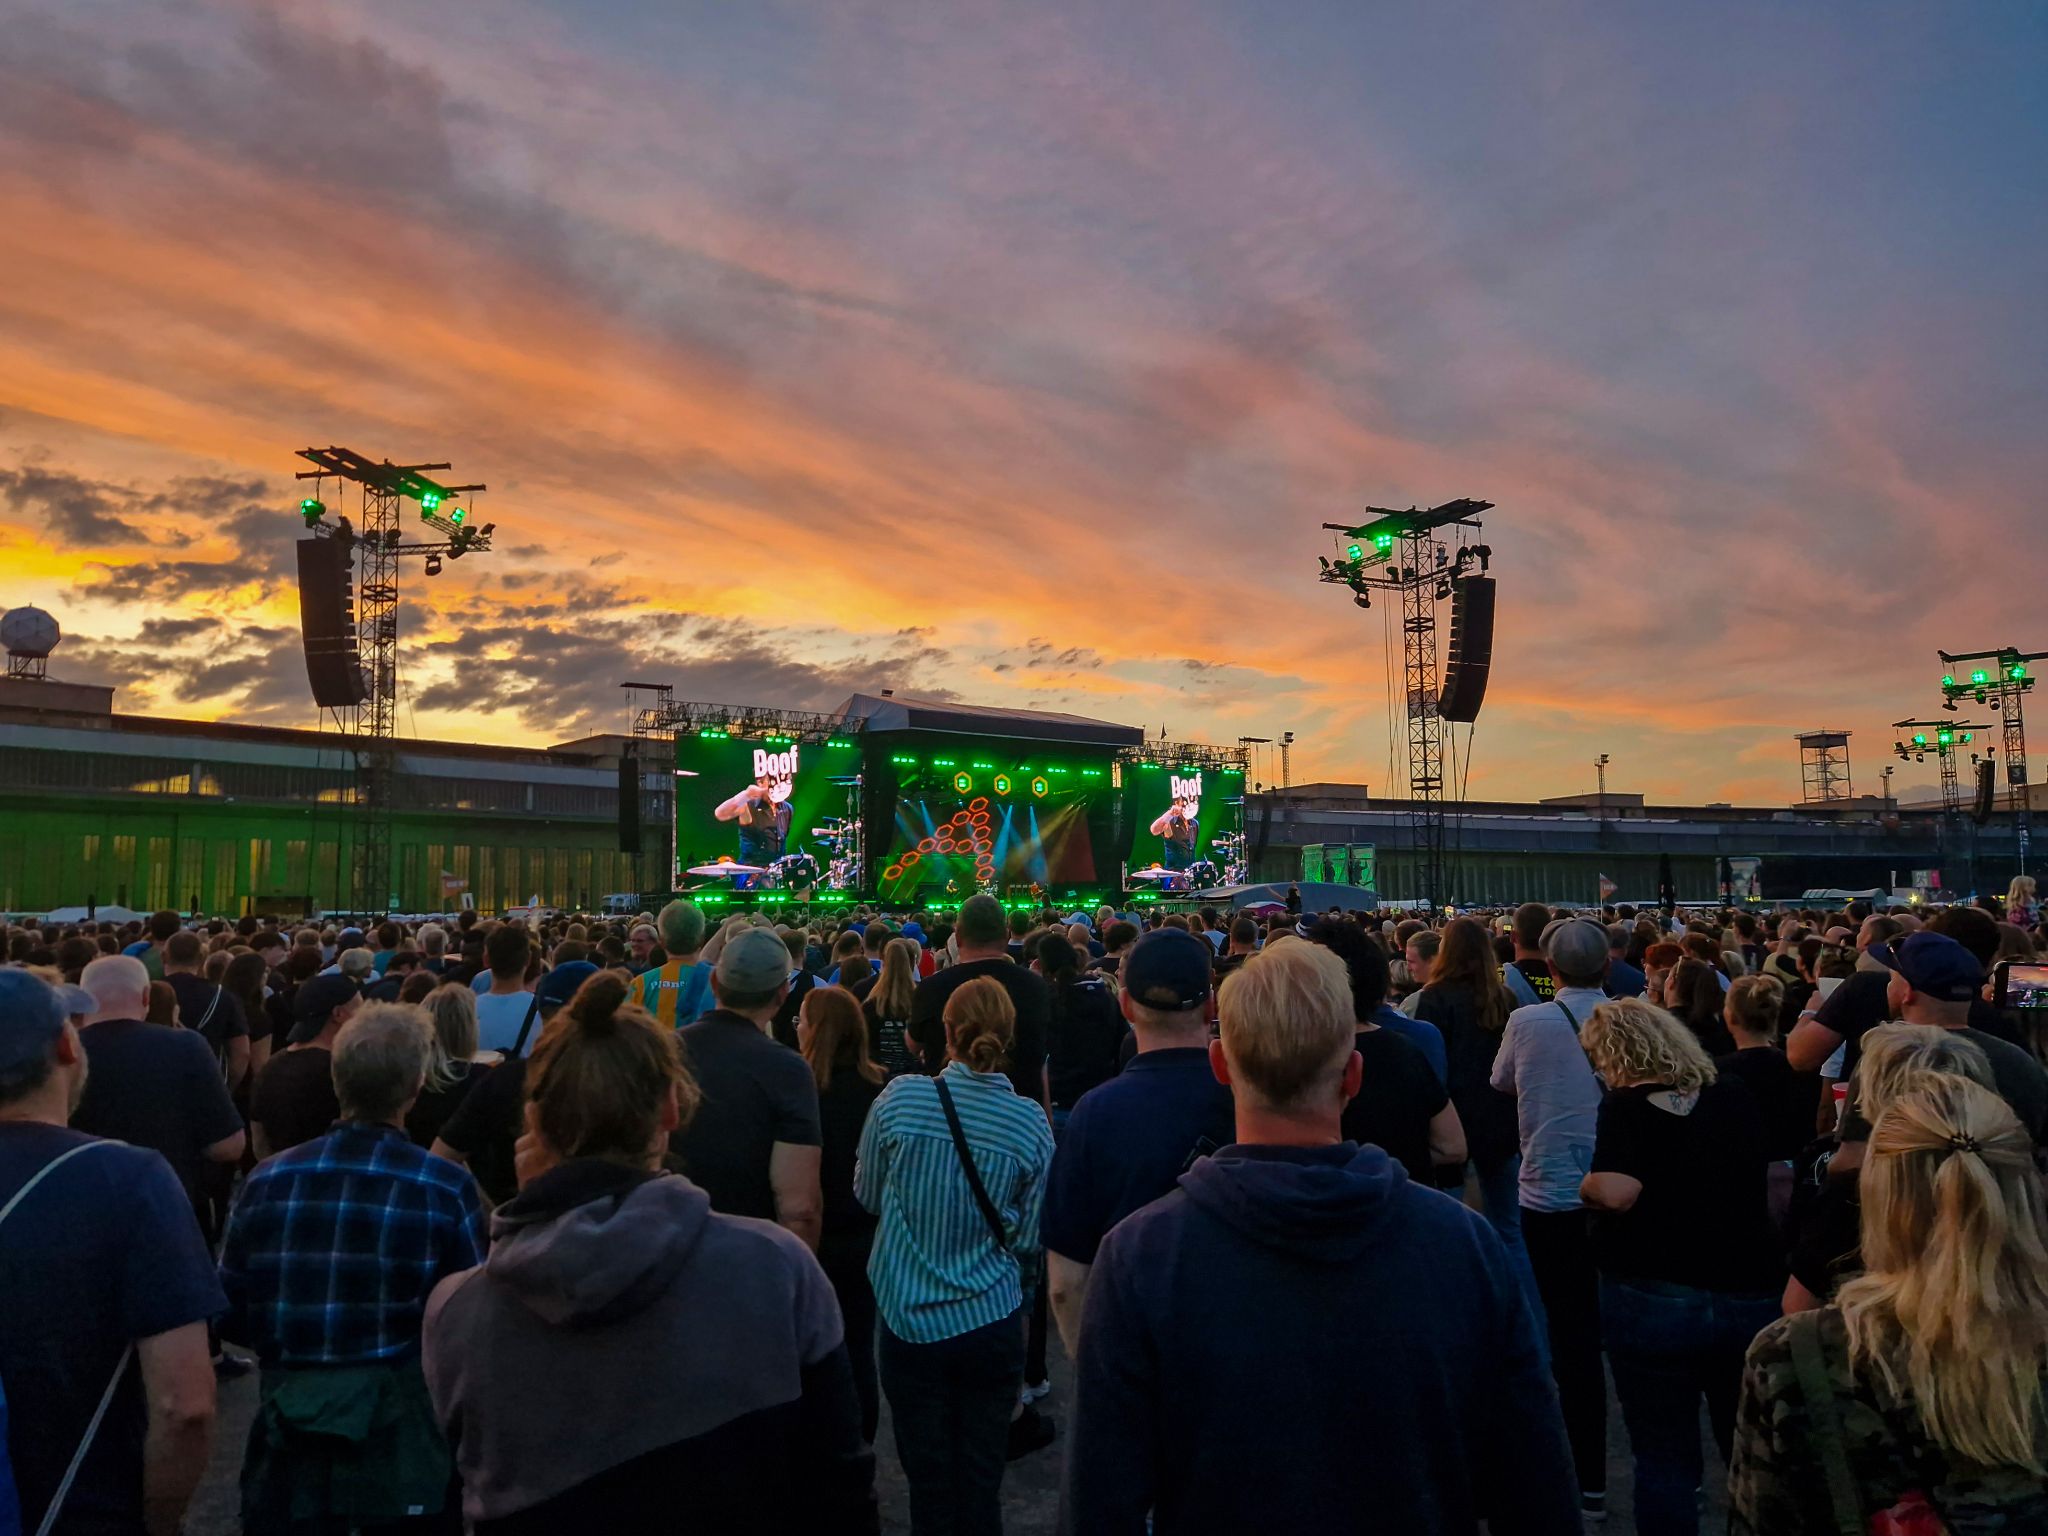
1917 1404
954 1165
627 1359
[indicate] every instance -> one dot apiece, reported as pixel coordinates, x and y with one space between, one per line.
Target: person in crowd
801 982
606 1270
1623 978
295 1100
152 1087
150 949
1918 1402
1464 998
887 1008
1690 1267
1302 1302
206 1006
107 1290
506 1007
641 945
678 991
1543 1065
2020 908
1858 1004
456 1061
984 954
954 1165
1527 976
1401 1105
434 950
753 1144
1419 954
331 1252
1243 942
1117 939
400 968
162 1008
245 978
832 1034
1128 1140
1824 1244
1751 1010
1694 994
483 1132
1085 1029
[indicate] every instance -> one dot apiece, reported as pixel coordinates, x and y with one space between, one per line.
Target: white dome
29 632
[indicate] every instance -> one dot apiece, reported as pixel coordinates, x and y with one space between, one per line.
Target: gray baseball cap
31 1016
1576 947
753 960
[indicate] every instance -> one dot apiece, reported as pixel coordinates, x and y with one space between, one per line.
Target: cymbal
726 869
1156 873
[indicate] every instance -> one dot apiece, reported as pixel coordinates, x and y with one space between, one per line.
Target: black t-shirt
294 1099
1788 1099
784 1026
485 1128
1398 1095
842 1112
2019 1078
211 1009
754 1094
1856 1006
1028 994
435 1107
885 1039
1085 1032
157 1088
1703 1218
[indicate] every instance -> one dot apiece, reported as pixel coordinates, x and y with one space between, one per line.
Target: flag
1607 888
452 883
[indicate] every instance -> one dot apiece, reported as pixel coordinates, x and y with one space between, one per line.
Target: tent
104 914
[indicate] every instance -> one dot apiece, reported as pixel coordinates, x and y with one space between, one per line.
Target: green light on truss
1980 676
1355 551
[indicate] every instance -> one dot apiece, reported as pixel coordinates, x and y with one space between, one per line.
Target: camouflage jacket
1776 1484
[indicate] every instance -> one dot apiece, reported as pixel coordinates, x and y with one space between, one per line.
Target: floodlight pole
379 541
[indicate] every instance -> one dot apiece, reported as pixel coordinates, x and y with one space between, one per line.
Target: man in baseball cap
753 1143
1935 980
294 1099
1169 970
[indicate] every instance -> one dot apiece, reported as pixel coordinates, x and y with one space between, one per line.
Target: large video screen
752 800
1177 814
947 847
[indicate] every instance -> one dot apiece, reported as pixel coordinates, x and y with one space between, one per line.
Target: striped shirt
677 993
935 1267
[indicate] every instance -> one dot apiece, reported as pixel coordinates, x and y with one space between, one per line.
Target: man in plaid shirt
331 1251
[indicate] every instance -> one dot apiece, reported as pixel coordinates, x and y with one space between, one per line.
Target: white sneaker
1033 1391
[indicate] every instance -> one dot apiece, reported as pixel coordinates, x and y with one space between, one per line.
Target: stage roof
908 712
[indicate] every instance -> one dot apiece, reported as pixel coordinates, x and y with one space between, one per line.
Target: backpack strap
532 1008
988 1206
1809 1368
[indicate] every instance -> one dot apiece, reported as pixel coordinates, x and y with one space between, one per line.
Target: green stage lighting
963 783
458 515
1948 681
1919 738
1383 541
1945 737
2017 671
1980 676
1002 784
430 499
312 510
1355 551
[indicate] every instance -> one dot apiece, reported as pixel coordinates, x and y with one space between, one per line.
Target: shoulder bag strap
1569 1017
211 1008
988 1206
92 1428
532 1008
1809 1367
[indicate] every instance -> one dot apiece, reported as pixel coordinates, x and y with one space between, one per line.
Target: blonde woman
2020 909
1825 1246
1918 1400
1689 1264
455 1065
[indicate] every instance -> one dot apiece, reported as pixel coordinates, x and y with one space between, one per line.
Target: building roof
909 712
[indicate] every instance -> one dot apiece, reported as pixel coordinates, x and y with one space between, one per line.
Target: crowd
1343 1219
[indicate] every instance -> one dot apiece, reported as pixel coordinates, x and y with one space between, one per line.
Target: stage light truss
2000 681
1188 756
686 717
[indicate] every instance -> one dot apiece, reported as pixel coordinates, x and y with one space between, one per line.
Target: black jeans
950 1405
848 1273
1560 1245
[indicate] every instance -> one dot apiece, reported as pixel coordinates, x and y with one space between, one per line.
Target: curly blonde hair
1632 1042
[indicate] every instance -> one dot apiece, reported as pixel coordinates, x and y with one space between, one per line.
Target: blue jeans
1669 1346
1500 1202
950 1405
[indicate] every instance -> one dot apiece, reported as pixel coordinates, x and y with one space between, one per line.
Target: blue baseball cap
1934 966
32 1014
563 983
1169 969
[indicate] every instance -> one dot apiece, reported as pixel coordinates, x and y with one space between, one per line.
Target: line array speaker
327 624
1471 652
629 801
1987 788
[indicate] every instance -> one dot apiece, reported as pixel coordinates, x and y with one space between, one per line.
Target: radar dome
29 632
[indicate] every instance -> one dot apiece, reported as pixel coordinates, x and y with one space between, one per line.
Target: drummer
764 823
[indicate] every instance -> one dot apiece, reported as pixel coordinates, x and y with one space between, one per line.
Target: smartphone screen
2022 986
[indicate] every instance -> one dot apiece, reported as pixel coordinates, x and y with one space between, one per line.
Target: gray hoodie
628 1355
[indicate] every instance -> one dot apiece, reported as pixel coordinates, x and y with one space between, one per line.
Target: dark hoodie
629 1360
1300 1338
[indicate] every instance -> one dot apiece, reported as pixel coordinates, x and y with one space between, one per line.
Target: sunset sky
1017 350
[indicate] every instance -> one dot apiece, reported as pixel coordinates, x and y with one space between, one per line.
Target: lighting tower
1823 767
378 538
1948 740
1400 552
1999 687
